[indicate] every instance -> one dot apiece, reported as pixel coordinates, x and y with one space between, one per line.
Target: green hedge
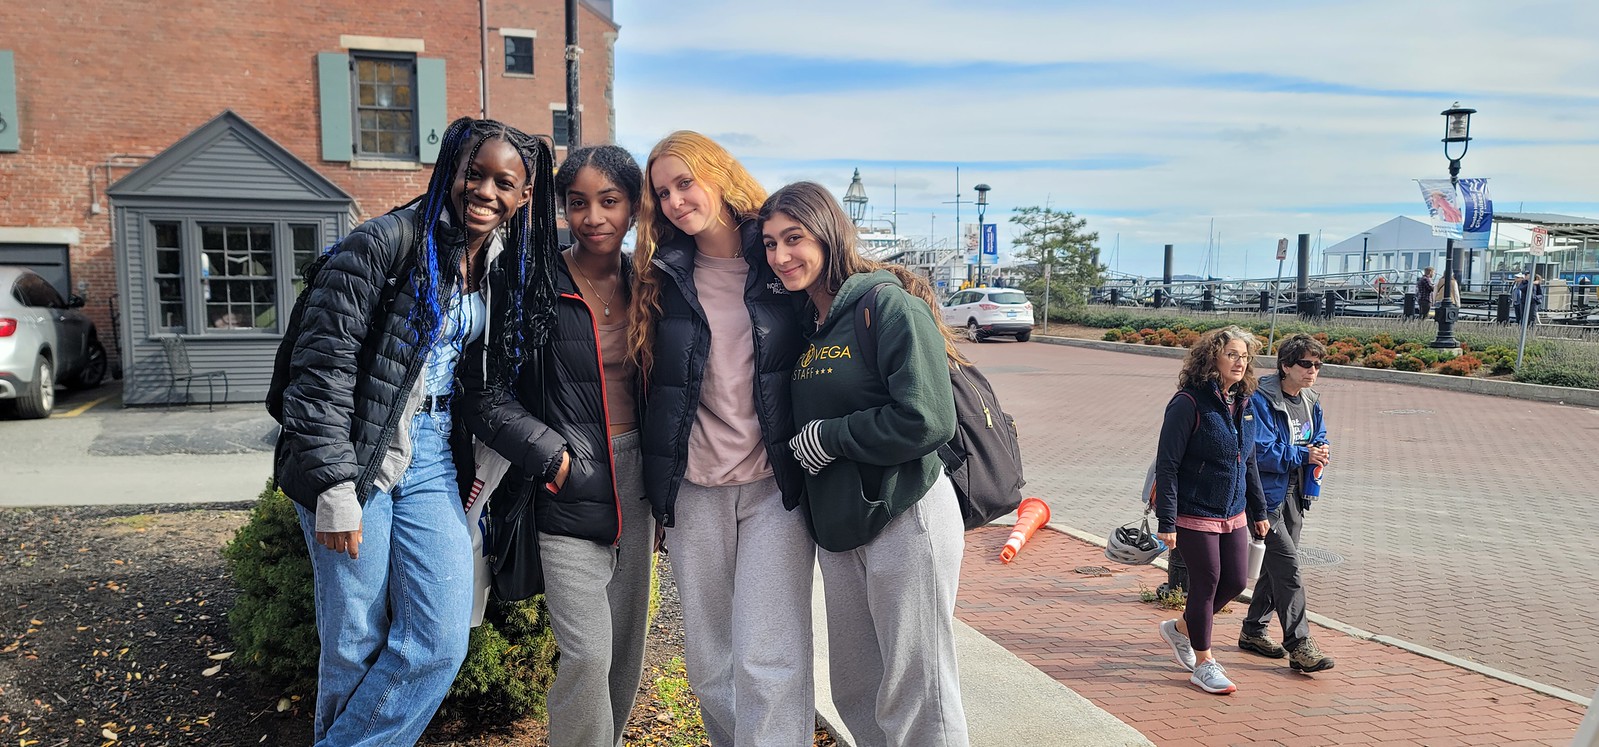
508 668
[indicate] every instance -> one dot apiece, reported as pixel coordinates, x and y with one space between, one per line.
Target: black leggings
1218 567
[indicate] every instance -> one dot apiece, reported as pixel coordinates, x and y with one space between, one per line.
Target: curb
1366 635
1513 389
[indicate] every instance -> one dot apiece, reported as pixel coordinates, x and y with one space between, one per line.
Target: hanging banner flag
1443 204
1478 213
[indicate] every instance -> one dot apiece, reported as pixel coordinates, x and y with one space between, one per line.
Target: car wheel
973 334
40 399
93 369
1024 336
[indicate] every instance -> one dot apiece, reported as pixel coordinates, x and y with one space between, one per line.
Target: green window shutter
432 111
10 120
333 88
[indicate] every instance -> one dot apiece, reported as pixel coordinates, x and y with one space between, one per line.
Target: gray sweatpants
599 599
743 567
891 628
1280 592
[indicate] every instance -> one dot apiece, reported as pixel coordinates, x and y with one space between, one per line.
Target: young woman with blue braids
367 449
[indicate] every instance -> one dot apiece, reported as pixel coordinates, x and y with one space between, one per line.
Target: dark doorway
49 260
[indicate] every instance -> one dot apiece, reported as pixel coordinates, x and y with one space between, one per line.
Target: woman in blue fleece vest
881 509
1206 481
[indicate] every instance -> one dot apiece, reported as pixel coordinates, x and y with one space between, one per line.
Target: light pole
1457 129
982 207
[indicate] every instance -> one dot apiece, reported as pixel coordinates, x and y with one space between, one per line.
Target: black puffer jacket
354 364
557 404
682 347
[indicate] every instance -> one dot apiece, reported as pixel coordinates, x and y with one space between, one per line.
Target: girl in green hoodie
879 504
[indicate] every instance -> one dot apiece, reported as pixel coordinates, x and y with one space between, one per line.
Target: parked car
44 340
990 312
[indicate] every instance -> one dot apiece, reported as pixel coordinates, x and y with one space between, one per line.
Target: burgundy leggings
1218 566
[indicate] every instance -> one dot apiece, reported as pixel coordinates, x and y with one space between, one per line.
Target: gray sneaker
1181 649
1210 677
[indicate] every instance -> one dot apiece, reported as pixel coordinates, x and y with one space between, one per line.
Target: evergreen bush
509 665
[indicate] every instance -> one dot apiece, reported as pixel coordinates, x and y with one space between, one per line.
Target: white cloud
1260 159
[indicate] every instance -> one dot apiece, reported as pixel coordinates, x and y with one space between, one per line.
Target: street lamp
855 199
982 207
1457 129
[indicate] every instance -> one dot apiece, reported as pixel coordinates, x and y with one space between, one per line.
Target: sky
1152 120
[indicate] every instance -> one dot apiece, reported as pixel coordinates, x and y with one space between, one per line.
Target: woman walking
880 506
1206 482
568 423
716 336
366 451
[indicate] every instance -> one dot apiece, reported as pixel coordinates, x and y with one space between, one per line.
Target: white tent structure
1406 243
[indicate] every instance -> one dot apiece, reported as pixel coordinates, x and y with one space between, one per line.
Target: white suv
986 312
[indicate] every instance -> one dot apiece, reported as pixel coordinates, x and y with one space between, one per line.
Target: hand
1318 455
1170 538
345 542
660 538
1262 528
561 474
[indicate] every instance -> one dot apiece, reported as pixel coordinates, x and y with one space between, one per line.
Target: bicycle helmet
1133 544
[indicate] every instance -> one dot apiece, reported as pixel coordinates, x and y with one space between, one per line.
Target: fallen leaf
221 656
212 671
108 734
284 704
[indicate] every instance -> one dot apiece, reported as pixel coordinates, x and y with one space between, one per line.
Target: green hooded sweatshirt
883 424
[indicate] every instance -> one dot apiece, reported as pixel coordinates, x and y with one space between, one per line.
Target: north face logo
776 286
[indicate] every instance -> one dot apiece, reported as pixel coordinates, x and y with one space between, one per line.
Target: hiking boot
1181 650
1307 657
1210 677
1261 644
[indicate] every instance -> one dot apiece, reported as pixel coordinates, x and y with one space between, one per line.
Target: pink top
725 447
1214 526
619 377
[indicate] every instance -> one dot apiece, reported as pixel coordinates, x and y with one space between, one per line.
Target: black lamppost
982 207
1457 129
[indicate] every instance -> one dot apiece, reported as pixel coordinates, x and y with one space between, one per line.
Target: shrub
1463 365
1338 359
1382 359
1573 367
1383 339
1112 335
1409 347
1410 363
508 667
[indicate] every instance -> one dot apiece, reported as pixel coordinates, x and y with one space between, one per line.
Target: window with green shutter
10 124
381 106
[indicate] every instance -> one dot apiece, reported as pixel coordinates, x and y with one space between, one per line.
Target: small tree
1058 239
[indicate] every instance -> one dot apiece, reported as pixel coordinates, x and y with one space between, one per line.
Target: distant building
181 161
1407 245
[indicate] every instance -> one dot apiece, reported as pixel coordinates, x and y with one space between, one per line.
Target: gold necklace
584 275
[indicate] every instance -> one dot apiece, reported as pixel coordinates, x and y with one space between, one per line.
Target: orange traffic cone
1032 514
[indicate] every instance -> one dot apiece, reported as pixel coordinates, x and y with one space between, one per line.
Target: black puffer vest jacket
682 347
557 404
354 364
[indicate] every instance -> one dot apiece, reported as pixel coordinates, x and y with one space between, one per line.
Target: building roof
200 166
1560 226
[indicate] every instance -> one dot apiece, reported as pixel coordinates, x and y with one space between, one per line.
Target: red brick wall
100 78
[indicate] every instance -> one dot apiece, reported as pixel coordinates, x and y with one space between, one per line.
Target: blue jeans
394 623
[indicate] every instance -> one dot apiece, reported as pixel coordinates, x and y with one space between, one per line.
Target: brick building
178 161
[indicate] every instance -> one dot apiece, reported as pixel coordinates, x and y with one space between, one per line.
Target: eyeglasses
1236 357
1308 364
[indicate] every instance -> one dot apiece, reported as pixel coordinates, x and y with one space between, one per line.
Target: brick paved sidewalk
1094 636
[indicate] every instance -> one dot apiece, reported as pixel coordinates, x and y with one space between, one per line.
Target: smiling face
796 255
1232 363
494 186
692 206
598 211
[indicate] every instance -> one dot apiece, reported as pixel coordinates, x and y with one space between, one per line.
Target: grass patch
1173 599
137 522
671 690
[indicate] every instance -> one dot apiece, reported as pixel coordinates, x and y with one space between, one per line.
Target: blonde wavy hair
716 169
1200 365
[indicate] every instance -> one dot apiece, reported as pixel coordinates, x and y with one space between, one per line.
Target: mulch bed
113 631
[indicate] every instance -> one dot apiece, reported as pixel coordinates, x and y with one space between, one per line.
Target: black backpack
291 331
984 459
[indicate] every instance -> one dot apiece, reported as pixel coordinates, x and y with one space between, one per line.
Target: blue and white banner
1443 204
991 239
1478 213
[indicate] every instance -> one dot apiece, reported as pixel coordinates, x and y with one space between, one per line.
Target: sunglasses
1307 364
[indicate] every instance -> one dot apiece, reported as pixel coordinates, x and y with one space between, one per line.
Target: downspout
483 58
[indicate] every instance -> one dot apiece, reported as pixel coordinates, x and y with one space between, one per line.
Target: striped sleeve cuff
807 446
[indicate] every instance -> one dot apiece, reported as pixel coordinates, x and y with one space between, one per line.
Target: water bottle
1257 554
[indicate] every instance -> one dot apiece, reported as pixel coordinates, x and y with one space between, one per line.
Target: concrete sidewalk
1092 634
1008 702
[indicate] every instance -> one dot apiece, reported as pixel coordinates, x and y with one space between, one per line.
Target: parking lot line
85 407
